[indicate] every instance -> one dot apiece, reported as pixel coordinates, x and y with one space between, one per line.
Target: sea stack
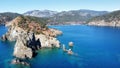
70 44
70 52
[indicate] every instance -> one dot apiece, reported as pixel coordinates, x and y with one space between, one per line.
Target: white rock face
70 43
21 50
26 45
47 41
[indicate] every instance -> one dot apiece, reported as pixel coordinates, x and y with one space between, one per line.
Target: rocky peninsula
110 19
30 34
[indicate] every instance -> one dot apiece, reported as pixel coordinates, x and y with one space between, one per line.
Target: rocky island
30 34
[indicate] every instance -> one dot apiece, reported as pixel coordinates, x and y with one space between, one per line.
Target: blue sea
94 47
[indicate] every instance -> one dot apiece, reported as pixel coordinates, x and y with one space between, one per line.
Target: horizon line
56 10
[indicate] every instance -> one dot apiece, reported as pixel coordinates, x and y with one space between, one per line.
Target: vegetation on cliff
30 23
111 19
113 16
30 34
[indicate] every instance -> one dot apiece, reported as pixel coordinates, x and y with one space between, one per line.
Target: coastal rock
15 61
47 41
52 32
26 45
64 49
21 50
18 61
4 38
13 33
32 42
46 36
31 38
70 43
70 52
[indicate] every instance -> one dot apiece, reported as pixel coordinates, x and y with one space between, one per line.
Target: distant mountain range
66 17
90 17
38 13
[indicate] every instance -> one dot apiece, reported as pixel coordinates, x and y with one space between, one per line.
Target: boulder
18 61
70 52
70 43
4 38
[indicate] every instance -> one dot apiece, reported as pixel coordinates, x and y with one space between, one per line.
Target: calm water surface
94 47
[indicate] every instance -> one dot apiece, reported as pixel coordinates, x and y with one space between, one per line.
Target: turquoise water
6 50
94 47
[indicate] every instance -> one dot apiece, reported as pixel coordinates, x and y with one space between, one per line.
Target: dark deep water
94 47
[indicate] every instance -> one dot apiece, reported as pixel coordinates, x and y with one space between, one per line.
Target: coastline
47 55
29 42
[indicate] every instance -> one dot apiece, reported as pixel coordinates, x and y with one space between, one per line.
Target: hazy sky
21 6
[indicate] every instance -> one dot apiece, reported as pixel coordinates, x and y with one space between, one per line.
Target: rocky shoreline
103 23
28 42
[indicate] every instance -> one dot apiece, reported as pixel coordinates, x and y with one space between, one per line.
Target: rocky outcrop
26 45
4 38
52 32
21 50
47 41
70 44
18 61
29 41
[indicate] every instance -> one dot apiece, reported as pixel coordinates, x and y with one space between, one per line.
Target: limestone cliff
21 50
30 35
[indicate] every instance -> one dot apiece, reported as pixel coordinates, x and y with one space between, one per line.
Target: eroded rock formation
28 41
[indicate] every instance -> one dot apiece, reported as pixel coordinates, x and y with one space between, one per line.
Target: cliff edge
30 34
